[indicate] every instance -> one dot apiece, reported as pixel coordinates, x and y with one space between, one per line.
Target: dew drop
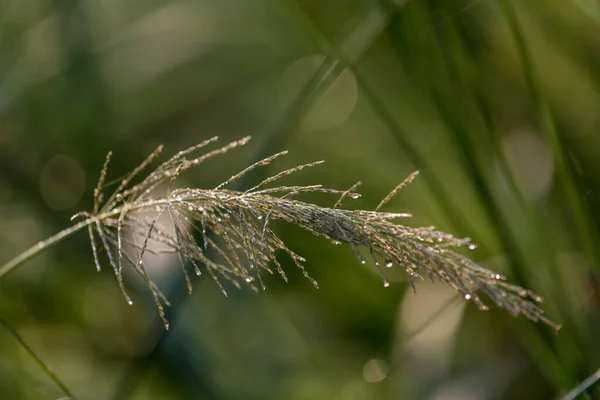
336 242
472 246
363 261
467 296
498 276
129 302
388 263
386 284
248 280
259 217
141 262
355 195
190 208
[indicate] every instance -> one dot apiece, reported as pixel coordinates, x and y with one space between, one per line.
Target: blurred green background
496 102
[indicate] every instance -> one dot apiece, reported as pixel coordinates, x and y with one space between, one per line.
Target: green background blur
496 102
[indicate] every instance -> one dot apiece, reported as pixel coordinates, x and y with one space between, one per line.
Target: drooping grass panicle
227 233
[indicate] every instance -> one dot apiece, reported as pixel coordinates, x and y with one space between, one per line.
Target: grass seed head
237 244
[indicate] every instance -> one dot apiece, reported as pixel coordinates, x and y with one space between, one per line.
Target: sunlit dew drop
190 208
259 216
248 280
386 284
467 296
472 247
336 242
355 195
388 263
129 302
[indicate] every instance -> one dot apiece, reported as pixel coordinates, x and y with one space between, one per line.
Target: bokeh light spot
62 182
375 370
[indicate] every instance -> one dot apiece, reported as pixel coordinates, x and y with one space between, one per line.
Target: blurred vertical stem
37 359
589 235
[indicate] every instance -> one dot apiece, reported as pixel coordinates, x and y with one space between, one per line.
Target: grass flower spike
226 233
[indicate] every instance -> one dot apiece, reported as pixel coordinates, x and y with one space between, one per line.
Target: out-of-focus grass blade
590 8
37 359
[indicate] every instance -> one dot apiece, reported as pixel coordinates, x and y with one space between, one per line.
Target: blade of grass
36 358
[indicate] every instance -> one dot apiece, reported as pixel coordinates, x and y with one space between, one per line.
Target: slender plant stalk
583 387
